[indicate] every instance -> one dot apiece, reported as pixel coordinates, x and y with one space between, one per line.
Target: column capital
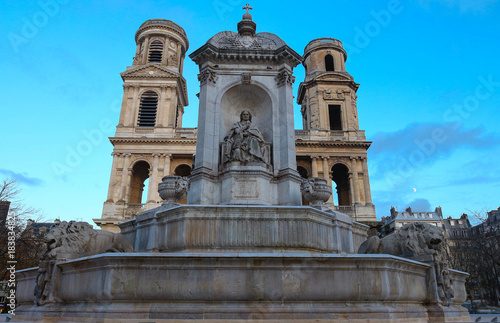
156 155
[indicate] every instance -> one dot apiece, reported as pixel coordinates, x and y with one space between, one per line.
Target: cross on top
247 7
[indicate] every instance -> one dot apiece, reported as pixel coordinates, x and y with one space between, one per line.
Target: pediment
150 71
334 76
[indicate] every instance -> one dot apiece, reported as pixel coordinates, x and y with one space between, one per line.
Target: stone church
150 141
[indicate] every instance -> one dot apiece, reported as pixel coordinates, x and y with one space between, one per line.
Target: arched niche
246 97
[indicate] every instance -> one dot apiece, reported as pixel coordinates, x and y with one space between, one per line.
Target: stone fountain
244 247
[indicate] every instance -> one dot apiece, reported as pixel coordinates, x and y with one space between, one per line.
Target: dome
162 25
232 40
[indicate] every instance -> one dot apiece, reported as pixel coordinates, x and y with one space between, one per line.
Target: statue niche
245 143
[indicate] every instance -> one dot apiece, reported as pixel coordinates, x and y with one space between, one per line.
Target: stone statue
70 240
422 242
412 239
245 142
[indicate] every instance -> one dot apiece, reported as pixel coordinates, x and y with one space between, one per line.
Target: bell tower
331 145
149 142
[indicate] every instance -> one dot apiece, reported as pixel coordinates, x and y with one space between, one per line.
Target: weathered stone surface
243 228
240 286
423 242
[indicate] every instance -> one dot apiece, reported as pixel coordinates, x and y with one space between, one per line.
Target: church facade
150 141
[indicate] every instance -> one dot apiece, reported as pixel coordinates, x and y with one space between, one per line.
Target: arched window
182 170
302 171
329 63
340 175
147 109
155 51
140 172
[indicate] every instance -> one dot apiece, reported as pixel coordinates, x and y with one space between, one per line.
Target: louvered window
155 51
147 109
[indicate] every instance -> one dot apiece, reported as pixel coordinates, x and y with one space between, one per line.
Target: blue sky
429 97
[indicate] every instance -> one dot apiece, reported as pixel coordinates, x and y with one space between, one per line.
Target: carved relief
240 42
354 109
173 188
335 94
244 142
285 77
246 78
315 190
137 58
207 75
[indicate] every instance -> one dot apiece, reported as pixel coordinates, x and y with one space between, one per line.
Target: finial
246 26
247 7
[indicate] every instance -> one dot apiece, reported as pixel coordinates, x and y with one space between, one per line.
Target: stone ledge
193 228
155 286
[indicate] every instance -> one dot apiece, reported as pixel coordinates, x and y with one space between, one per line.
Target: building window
147 109
340 175
155 51
140 173
329 66
335 117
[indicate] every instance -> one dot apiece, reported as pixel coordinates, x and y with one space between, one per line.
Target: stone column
326 175
161 111
314 166
145 55
355 181
166 166
123 111
366 182
164 56
125 179
172 109
351 185
202 189
113 179
128 179
134 108
153 181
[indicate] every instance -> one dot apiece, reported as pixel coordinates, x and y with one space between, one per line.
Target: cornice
182 141
209 52
332 143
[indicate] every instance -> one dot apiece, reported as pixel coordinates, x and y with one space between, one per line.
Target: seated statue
245 142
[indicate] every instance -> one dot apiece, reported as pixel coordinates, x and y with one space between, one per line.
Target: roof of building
409 215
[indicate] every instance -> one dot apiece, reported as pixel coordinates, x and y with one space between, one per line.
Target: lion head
420 239
66 240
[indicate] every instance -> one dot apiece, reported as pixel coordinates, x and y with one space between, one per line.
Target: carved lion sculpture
69 240
413 239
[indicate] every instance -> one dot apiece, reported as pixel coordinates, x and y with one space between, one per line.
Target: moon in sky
414 189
